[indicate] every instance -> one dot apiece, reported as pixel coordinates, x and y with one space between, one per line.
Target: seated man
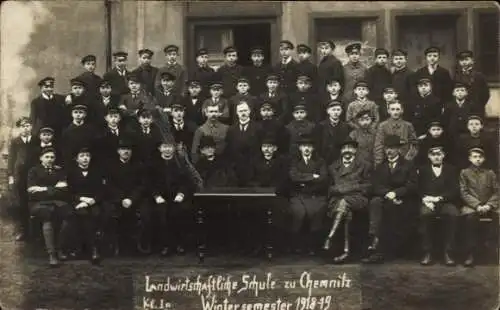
170 187
439 191
85 185
308 175
126 197
479 190
47 189
394 184
350 177
270 170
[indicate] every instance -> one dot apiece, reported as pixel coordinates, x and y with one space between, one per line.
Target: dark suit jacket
229 77
125 180
234 100
205 76
328 68
92 83
74 138
216 173
446 185
184 135
377 78
420 111
403 180
354 179
22 156
147 76
193 111
39 176
119 84
276 128
166 101
167 178
442 85
455 117
107 144
402 81
98 110
272 173
146 144
288 76
330 138
309 69
479 91
49 113
280 104
257 77
242 147
301 176
91 185
312 102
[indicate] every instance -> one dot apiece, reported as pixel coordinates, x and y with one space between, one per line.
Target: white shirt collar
26 139
394 160
286 61
244 123
306 158
80 124
45 144
46 97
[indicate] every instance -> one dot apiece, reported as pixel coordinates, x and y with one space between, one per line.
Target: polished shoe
165 252
448 261
373 245
327 244
62 256
427 260
374 258
469 262
53 261
96 258
341 258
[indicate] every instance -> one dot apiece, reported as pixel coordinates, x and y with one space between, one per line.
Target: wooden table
232 193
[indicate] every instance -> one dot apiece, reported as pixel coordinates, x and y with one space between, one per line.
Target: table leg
270 233
200 223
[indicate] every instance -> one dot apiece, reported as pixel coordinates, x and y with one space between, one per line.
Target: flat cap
133 78
348 142
327 42
269 139
381 51
272 77
216 85
459 84
352 48
364 112
178 106
193 83
46 150
229 49
171 48
22 121
146 51
334 103
144 112
476 148
399 52
475 117
424 80
47 81
266 105
303 77
286 44
80 107
120 54
88 58
257 50
243 80
125 143
432 49
435 147
305 139
360 84
46 129
167 76
77 81
435 123
302 48
201 51
389 89
105 83
464 54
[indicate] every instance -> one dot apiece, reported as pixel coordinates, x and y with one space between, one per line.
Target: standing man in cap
275 96
354 70
378 76
216 92
136 99
475 81
78 134
435 135
439 191
350 184
193 103
48 109
329 66
173 67
230 72
394 187
99 108
287 69
305 66
203 73
479 191
299 127
457 111
243 87
90 79
402 75
305 95
22 156
309 180
269 123
147 137
118 75
47 195
440 77
145 71
182 128
46 139
257 72
423 107
166 94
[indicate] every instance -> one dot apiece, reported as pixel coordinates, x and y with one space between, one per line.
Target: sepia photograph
249 155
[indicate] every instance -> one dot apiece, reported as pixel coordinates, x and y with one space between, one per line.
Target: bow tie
437 166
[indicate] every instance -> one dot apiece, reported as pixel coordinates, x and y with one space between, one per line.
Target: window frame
477 12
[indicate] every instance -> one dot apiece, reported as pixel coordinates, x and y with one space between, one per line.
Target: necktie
392 166
134 96
115 132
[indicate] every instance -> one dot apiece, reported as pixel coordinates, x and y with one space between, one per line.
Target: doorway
248 36
242 34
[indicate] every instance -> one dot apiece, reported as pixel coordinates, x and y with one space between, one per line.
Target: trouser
390 223
170 221
20 202
448 213
85 223
470 229
50 213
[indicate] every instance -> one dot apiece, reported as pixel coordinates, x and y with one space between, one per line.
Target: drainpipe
107 18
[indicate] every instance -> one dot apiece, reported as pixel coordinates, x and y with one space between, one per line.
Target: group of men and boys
332 139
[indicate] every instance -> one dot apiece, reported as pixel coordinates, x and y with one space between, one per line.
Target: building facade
62 31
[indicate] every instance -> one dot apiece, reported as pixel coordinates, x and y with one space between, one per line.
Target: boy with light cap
479 191
118 75
439 191
48 109
347 193
216 93
354 70
286 69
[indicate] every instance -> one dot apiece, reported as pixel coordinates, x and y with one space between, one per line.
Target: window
416 33
347 30
487 42
214 39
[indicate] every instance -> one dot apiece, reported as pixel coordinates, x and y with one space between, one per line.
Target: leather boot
53 261
448 261
469 262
